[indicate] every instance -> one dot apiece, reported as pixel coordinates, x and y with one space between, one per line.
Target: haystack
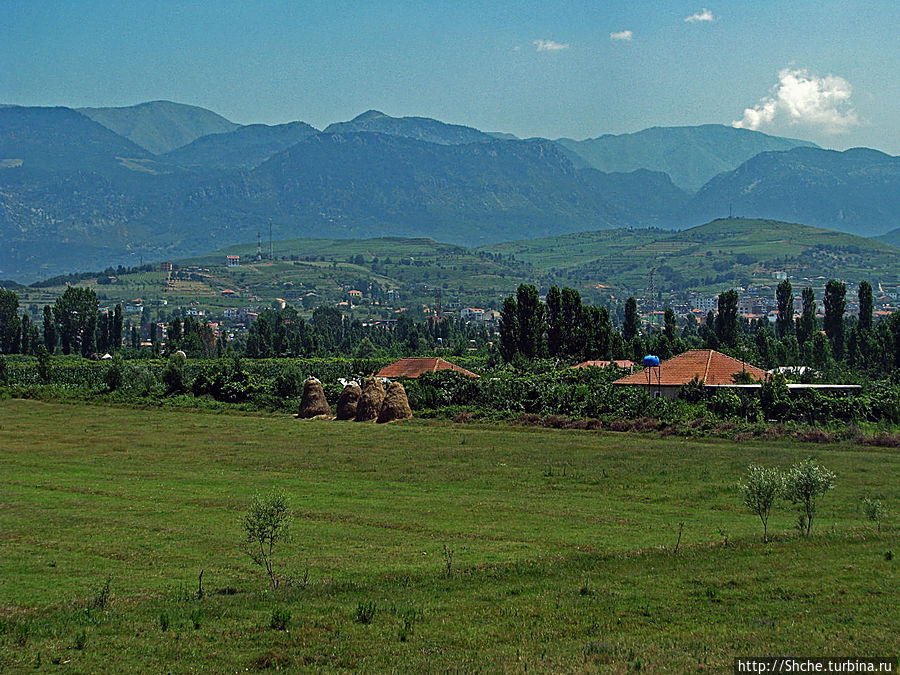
395 405
346 407
313 402
370 402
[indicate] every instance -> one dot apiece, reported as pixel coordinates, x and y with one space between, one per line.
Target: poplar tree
784 323
835 304
807 324
866 305
631 325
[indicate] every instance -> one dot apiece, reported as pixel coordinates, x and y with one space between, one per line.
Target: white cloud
704 15
625 35
822 102
550 45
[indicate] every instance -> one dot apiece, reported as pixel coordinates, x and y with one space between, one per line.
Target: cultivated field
429 547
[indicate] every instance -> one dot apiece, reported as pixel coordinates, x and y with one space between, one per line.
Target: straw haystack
313 402
395 405
346 407
370 402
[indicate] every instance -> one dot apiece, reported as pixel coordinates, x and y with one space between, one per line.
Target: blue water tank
651 361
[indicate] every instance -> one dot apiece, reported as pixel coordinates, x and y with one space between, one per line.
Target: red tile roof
413 367
621 363
713 367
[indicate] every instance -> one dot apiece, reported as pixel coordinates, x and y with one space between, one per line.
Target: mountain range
82 189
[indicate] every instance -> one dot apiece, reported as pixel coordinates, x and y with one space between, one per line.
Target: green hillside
310 272
603 265
735 251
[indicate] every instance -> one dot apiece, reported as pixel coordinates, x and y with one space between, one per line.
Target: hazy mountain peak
418 128
368 115
160 126
691 155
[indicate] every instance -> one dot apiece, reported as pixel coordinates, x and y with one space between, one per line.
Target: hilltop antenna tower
271 246
651 290
438 309
258 247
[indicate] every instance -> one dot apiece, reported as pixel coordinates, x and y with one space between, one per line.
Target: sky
819 70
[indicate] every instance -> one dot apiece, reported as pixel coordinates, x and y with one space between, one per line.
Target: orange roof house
713 368
413 367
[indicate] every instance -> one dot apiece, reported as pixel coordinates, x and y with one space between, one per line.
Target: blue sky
815 69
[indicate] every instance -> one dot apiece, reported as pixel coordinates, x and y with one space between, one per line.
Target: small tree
874 510
761 487
266 524
804 484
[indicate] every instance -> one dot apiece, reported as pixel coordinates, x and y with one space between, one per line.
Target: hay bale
313 402
370 402
395 405
349 400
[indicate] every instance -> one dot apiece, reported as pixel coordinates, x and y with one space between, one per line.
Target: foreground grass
559 546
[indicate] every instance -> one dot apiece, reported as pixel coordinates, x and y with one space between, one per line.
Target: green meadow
423 546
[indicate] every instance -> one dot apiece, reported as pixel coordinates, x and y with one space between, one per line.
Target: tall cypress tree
726 319
532 323
573 317
866 305
25 340
784 323
670 324
49 330
631 325
807 324
117 327
555 326
509 329
835 304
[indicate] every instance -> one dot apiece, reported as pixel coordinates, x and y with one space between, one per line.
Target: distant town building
232 261
165 267
705 304
471 314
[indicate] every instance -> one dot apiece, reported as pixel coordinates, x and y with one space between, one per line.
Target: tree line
563 327
560 327
73 323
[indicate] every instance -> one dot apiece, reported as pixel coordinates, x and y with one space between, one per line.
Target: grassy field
481 548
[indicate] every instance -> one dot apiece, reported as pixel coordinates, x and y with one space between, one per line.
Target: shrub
267 524
874 510
761 487
173 375
281 619
289 382
805 484
114 377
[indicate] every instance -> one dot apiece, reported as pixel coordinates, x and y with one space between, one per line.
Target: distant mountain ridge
418 128
55 139
160 126
690 155
245 147
73 193
856 191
